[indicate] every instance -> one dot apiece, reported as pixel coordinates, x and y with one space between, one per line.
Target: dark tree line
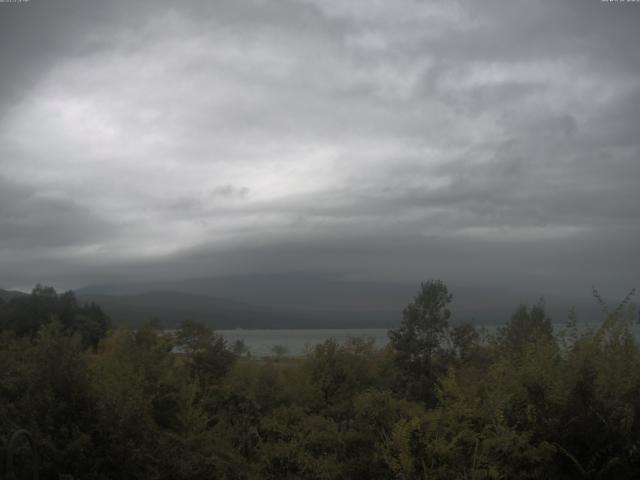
24 316
442 400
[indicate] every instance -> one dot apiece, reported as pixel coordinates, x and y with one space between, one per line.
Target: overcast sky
487 142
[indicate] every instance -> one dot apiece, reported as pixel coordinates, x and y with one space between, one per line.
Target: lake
261 342
296 341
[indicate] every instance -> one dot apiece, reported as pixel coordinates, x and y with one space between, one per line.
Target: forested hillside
441 401
298 300
169 308
6 295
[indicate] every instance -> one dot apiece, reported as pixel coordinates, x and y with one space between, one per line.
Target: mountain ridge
7 295
308 301
171 307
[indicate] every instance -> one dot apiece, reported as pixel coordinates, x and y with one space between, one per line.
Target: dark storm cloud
32 220
492 141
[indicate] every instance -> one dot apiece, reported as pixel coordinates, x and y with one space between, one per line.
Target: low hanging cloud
389 140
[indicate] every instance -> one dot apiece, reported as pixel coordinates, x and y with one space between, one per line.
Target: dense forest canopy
440 401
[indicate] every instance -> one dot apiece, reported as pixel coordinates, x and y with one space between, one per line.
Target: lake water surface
261 342
296 341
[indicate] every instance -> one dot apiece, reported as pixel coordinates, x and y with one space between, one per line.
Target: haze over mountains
7 295
308 301
492 145
390 141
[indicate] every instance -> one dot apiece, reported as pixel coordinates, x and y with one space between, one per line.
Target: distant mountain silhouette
310 301
7 295
171 307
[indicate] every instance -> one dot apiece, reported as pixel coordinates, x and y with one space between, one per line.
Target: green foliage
525 325
424 326
45 387
279 351
298 445
465 342
337 373
206 353
239 348
146 404
24 315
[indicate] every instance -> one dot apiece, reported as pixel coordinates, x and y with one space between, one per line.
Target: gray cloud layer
477 141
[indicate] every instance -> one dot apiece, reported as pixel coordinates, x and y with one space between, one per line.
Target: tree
525 325
421 334
465 340
279 351
208 356
92 324
239 347
299 445
24 316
